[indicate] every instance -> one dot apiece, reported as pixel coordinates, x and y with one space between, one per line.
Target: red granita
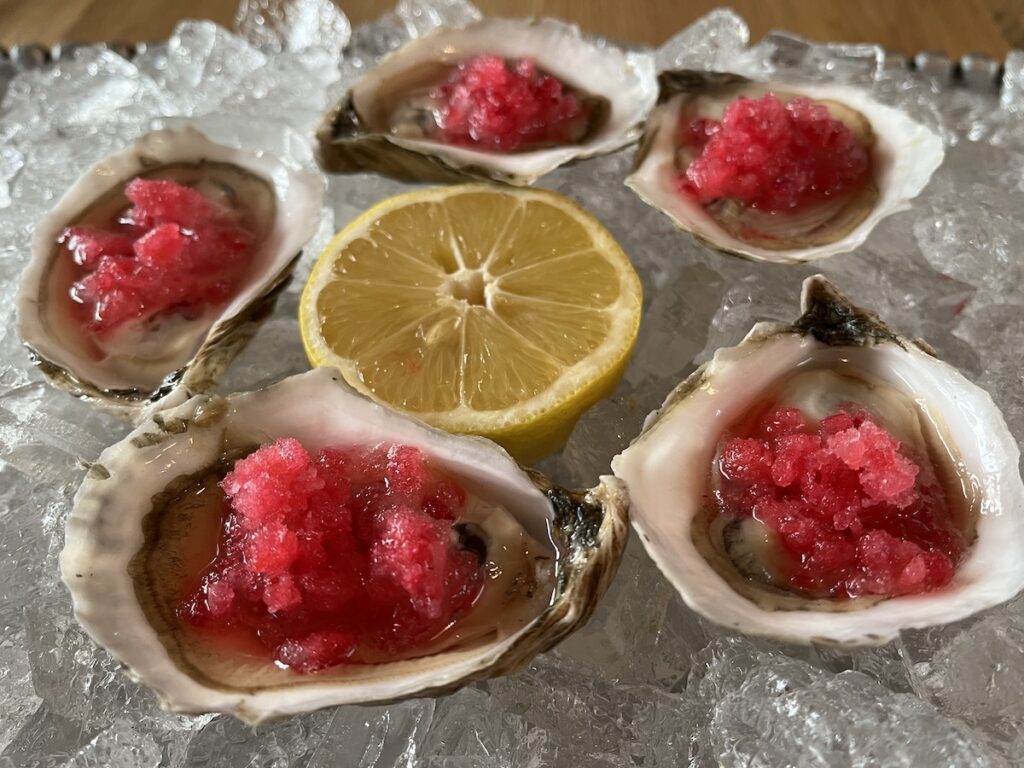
342 556
772 155
507 106
172 252
854 514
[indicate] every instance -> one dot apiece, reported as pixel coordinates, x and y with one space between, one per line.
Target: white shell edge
907 153
560 49
104 532
681 438
299 196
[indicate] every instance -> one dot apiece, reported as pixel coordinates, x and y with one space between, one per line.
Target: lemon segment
480 309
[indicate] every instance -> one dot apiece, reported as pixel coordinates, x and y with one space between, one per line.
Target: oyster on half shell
834 353
382 123
119 528
129 371
903 156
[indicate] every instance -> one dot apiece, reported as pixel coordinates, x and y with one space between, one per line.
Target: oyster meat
136 366
127 533
384 123
903 156
835 353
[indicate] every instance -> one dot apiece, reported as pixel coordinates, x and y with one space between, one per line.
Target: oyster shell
128 376
117 507
923 400
375 127
904 156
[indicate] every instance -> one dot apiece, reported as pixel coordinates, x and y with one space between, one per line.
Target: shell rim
462 162
590 560
233 327
833 320
644 181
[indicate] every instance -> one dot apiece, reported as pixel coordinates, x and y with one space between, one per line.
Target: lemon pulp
495 311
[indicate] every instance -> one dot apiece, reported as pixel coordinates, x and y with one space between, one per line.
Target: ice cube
293 25
710 43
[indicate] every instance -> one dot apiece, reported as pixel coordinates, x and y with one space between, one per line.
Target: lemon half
480 309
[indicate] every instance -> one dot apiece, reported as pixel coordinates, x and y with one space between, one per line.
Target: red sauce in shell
507 106
852 511
173 252
773 155
340 557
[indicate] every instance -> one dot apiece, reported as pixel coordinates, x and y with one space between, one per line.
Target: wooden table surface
954 26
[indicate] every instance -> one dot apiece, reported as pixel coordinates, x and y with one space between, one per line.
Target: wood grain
955 26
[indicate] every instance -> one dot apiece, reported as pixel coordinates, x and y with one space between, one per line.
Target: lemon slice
480 309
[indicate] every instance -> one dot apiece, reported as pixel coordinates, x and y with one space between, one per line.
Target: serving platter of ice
647 682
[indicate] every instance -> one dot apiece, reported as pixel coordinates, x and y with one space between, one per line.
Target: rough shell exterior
666 469
298 197
905 156
347 145
105 530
